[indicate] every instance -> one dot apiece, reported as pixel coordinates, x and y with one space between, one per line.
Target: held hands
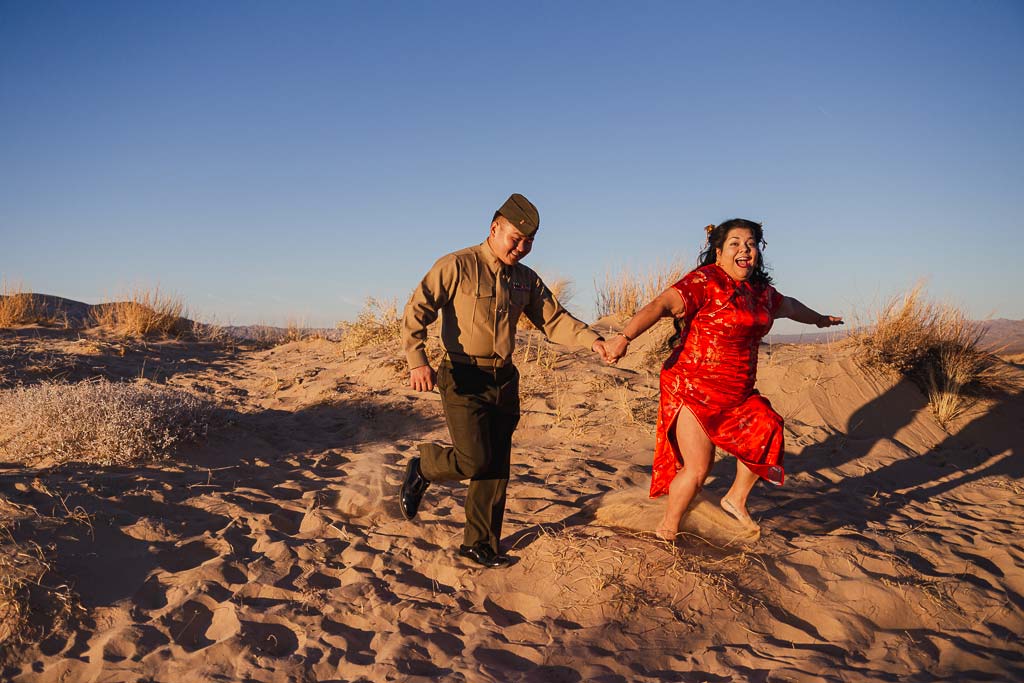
601 348
423 378
828 321
616 348
611 350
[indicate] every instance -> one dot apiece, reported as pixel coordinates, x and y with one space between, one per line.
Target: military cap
520 213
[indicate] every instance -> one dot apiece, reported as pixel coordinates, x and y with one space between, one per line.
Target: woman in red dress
722 309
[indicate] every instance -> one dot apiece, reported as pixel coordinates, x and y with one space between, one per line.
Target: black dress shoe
412 489
484 555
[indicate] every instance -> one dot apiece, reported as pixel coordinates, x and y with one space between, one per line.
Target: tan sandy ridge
276 552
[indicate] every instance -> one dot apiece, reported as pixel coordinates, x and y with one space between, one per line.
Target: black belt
479 361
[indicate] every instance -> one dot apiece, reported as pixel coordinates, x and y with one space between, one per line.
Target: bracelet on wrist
625 336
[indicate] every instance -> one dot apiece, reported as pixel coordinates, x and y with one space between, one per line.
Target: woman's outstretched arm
794 310
666 304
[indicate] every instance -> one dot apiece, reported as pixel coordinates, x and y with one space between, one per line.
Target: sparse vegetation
937 347
146 313
294 332
265 336
535 357
33 602
623 293
213 333
624 574
101 422
18 307
268 336
656 347
378 323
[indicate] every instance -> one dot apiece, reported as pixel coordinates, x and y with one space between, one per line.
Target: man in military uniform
480 291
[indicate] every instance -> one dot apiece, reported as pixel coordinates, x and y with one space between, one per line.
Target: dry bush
294 332
624 293
102 422
657 345
213 333
33 603
535 357
641 410
18 307
378 323
936 346
147 313
299 331
266 336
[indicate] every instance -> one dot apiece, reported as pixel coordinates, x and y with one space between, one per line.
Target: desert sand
275 550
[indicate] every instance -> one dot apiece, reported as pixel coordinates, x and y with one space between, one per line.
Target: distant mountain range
1001 335
78 314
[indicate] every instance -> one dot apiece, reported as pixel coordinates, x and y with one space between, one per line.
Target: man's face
507 243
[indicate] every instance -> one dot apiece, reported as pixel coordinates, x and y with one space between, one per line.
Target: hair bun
709 229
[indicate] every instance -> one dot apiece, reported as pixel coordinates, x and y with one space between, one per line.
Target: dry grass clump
656 345
147 313
623 293
214 333
294 332
32 603
18 307
266 336
935 345
641 410
101 422
378 323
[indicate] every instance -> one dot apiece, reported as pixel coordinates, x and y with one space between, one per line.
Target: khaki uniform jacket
480 300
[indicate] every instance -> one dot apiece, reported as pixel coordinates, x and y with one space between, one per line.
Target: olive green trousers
481 406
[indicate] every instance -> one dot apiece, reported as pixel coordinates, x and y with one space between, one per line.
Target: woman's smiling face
739 253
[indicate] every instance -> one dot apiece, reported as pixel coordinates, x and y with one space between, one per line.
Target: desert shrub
623 293
936 346
657 346
147 313
265 336
378 323
34 603
18 307
213 333
102 422
300 331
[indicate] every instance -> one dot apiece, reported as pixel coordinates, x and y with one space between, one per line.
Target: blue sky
274 161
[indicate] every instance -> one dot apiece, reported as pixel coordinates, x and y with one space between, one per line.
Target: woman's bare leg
735 500
698 453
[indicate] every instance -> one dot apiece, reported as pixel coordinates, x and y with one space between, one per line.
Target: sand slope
276 551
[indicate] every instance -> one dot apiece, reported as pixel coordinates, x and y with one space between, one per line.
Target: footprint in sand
187 625
274 640
354 641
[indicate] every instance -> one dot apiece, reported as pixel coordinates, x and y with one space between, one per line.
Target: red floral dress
713 371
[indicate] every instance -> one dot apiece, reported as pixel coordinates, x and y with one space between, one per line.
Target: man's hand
601 348
616 348
423 378
829 321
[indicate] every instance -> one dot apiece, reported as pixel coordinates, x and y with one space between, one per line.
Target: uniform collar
489 256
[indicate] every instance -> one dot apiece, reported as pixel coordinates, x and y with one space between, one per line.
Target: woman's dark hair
716 240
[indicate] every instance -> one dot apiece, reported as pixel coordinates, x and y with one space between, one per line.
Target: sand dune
275 551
